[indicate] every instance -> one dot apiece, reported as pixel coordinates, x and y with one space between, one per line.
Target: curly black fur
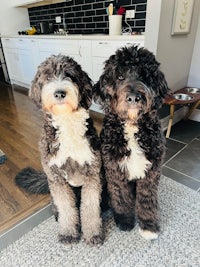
132 82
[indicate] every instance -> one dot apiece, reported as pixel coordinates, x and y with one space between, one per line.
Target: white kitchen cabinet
26 58
85 57
12 62
24 54
35 55
24 2
20 59
48 47
80 51
33 3
26 65
102 50
11 57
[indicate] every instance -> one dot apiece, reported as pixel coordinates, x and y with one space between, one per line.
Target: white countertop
79 37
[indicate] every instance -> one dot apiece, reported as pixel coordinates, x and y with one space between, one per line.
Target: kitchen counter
79 37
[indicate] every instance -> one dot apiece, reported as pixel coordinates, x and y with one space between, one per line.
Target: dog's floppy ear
161 88
103 89
35 90
152 76
85 85
162 84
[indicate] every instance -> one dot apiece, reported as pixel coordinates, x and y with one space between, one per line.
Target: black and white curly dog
131 90
69 149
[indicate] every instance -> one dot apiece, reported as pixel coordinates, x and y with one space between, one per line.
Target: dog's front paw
125 223
69 239
95 240
148 235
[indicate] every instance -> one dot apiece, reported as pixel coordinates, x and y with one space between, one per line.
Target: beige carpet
178 244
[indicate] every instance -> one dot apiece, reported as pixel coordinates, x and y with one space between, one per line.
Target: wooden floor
20 125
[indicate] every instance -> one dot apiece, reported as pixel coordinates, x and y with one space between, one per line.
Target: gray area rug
178 244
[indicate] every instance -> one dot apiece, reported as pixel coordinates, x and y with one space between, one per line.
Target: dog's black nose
60 94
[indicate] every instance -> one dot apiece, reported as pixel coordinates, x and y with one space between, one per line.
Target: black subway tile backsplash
141 8
87 16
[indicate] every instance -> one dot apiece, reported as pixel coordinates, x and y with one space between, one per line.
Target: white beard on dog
71 138
136 164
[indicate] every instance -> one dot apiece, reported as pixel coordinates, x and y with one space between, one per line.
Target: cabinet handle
103 43
7 39
20 40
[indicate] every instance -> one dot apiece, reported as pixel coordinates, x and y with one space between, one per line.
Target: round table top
171 100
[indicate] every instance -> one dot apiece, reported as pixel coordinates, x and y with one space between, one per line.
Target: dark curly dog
131 90
70 149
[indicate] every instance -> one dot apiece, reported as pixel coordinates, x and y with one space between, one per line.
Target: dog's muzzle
60 94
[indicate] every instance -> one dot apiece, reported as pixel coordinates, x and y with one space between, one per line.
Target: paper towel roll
115 25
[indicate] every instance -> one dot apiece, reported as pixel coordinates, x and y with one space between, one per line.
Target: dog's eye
48 78
121 78
137 98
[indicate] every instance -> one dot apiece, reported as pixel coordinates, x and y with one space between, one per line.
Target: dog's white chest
136 164
71 138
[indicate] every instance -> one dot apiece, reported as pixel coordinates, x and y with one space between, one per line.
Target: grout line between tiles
177 141
175 154
196 180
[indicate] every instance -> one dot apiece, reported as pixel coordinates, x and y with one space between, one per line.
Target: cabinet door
11 57
101 50
13 63
35 54
85 58
20 59
27 68
54 47
44 55
97 65
25 60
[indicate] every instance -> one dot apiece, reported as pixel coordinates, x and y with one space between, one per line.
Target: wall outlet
58 19
130 14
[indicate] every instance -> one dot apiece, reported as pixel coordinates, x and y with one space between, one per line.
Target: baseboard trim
195 116
178 115
25 85
24 226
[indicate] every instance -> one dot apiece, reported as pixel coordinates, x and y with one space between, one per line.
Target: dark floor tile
172 147
187 161
185 131
180 178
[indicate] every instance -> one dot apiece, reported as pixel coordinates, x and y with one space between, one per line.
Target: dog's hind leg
91 220
68 218
147 206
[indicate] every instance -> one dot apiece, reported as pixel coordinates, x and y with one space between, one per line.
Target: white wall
12 19
152 24
194 74
173 52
